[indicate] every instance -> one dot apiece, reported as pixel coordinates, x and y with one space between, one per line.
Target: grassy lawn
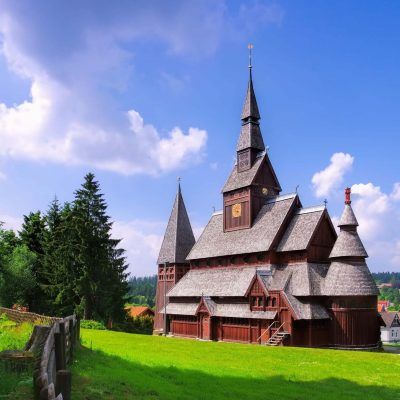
13 337
126 366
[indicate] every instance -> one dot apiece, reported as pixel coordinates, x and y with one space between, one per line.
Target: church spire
178 238
250 136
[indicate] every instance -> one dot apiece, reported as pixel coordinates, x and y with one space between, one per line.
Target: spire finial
347 196
326 202
250 47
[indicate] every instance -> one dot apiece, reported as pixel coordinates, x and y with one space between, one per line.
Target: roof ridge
311 209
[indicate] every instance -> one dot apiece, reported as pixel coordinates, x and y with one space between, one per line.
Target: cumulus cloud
72 115
395 195
331 177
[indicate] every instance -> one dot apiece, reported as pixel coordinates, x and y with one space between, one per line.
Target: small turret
348 274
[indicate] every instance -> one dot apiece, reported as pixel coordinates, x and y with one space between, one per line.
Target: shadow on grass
97 375
15 385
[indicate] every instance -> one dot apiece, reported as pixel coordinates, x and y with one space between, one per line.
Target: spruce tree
88 266
33 236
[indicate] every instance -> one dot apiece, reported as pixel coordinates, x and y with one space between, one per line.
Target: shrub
143 325
13 336
90 324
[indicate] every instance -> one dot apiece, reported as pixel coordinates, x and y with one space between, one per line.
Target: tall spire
178 238
250 136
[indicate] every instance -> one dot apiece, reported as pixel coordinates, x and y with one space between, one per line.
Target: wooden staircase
277 338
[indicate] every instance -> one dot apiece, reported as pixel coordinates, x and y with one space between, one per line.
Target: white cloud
395 195
11 222
331 177
142 241
71 116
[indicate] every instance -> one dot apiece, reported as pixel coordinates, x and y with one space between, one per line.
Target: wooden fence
53 347
21 316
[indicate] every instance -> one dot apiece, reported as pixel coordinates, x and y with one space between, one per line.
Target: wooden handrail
276 331
274 322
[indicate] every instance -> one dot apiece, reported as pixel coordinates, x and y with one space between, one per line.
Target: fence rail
53 346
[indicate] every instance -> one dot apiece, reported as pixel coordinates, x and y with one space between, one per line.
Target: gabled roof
137 311
390 319
238 180
214 242
302 228
178 238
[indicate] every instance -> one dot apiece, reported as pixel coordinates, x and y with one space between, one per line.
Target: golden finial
250 47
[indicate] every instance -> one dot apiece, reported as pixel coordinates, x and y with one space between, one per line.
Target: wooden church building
265 269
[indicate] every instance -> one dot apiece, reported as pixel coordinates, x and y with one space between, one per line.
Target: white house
391 331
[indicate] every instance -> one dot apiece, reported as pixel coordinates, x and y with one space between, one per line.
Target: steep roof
250 136
348 244
178 237
214 242
349 278
250 107
301 229
348 218
238 180
306 308
390 318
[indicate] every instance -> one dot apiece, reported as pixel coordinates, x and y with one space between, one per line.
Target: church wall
237 213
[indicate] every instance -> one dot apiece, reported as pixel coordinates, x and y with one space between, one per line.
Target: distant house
391 331
139 311
383 305
384 285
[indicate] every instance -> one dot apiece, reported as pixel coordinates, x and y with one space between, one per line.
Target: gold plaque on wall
236 210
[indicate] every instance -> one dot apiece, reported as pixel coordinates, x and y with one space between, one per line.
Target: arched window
274 302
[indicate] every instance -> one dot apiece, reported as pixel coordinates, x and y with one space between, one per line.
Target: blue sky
143 92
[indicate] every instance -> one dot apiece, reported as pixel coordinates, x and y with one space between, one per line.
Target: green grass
127 366
13 337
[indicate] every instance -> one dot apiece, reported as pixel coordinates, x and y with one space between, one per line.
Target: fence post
63 384
59 344
78 328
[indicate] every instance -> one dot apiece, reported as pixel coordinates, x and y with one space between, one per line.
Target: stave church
266 269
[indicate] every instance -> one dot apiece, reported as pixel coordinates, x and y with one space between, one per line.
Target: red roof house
140 311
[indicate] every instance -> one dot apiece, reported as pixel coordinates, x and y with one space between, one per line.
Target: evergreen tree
101 281
33 235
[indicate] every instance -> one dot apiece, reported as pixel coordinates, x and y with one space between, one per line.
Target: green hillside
126 366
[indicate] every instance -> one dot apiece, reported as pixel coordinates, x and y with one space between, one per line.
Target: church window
273 302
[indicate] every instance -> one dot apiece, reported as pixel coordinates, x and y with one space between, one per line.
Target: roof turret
348 274
178 237
348 243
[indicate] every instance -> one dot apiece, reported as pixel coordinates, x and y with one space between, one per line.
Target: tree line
142 290
65 260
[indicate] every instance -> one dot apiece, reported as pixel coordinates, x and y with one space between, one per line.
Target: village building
139 311
266 269
383 305
390 332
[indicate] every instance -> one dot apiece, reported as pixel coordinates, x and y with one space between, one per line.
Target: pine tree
33 236
102 278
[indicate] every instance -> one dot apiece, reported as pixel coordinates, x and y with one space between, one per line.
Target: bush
142 325
12 335
90 324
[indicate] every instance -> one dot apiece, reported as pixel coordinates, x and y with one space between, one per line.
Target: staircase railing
273 323
277 331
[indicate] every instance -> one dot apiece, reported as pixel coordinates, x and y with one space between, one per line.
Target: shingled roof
237 180
214 242
349 278
348 243
226 282
301 229
235 310
250 107
306 308
178 238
